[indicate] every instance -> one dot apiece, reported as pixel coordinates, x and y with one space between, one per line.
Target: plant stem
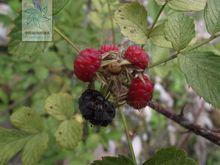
112 23
127 135
163 61
184 51
204 42
156 19
184 122
77 50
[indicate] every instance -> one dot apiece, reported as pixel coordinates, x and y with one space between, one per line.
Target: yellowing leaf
69 134
35 148
60 106
132 19
27 120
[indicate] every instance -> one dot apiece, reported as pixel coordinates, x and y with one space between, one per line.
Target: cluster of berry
122 77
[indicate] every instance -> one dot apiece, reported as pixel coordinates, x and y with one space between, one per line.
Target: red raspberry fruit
86 64
108 48
137 56
140 92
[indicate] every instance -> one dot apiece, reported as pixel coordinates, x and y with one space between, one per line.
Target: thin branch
181 120
164 60
186 137
156 19
127 135
112 23
77 50
184 51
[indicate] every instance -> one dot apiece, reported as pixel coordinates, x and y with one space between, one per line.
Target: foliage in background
76 19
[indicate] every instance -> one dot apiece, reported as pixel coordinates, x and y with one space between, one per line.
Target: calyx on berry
120 78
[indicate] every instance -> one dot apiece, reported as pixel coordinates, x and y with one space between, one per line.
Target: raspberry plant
116 74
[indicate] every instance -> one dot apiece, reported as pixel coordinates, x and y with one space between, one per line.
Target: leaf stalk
156 19
112 23
77 50
127 135
184 51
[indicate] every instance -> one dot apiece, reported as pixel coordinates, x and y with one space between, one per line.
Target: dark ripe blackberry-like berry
95 108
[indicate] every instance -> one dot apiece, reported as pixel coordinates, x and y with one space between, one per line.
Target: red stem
181 120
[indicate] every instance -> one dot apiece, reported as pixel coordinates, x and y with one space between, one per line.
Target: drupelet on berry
108 48
137 56
86 64
95 108
140 92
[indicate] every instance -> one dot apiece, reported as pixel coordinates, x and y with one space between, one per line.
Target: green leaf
179 30
161 2
99 15
187 5
4 98
58 5
35 148
21 49
132 19
170 156
27 120
161 53
60 106
108 160
11 142
152 8
184 5
69 133
157 36
209 48
212 16
201 70
41 72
